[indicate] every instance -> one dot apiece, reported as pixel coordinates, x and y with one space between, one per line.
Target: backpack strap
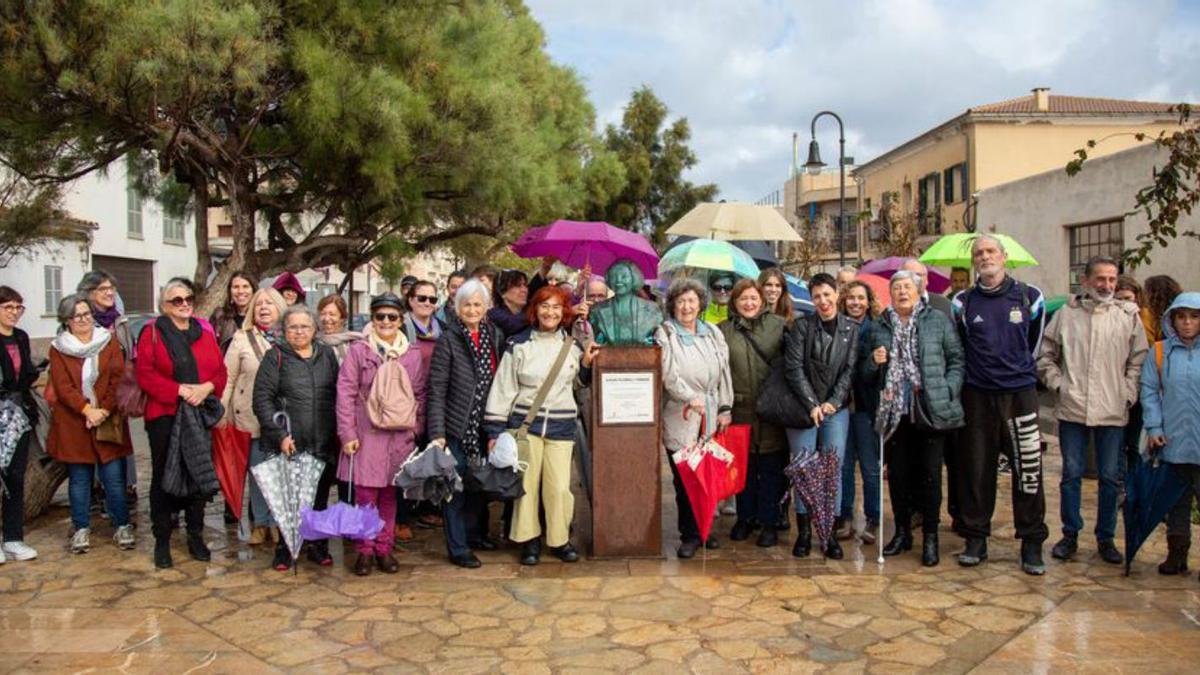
753 345
543 391
258 352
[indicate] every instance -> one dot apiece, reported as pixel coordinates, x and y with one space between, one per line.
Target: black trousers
1001 422
914 461
952 445
759 501
162 505
13 502
688 530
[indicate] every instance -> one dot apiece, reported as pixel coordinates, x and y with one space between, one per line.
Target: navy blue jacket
1001 331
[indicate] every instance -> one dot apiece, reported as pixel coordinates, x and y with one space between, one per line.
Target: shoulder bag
777 403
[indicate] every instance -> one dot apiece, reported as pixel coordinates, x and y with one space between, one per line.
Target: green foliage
376 124
1174 192
30 217
653 155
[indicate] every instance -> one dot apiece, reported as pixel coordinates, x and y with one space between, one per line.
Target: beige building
810 204
934 174
1065 220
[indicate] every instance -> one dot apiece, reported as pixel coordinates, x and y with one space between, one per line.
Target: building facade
934 175
1065 220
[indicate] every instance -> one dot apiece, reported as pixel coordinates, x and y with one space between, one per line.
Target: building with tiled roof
933 175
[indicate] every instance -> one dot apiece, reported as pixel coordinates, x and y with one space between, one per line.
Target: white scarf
392 351
69 345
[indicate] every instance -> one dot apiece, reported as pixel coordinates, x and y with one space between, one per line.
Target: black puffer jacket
306 389
818 375
452 381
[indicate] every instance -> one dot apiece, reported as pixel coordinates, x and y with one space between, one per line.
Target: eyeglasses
597 297
722 288
383 317
431 299
13 308
299 329
106 288
182 300
85 316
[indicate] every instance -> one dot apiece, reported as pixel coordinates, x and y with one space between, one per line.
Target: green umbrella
954 250
1055 303
711 255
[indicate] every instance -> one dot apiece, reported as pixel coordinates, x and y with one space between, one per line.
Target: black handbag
777 404
492 483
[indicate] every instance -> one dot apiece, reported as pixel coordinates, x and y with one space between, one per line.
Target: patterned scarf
392 351
481 358
903 375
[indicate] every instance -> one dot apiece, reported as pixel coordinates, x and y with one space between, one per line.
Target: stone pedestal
626 447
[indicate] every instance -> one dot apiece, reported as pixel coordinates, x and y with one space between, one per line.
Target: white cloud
747 74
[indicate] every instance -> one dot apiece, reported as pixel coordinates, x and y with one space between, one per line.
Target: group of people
929 381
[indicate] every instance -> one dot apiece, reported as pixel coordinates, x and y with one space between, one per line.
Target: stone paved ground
741 609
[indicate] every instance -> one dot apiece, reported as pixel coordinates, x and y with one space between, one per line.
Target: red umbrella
704 471
879 286
231 455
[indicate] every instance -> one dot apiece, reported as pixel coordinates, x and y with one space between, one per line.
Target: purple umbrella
886 267
578 244
815 476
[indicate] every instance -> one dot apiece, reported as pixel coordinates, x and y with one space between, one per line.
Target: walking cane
879 533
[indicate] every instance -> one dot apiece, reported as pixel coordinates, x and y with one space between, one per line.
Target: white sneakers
80 541
124 538
18 550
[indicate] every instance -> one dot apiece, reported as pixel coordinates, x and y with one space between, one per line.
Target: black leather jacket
817 371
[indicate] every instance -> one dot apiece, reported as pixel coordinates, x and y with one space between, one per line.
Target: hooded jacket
289 281
1091 355
1171 403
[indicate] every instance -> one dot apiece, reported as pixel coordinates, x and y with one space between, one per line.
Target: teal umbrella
707 255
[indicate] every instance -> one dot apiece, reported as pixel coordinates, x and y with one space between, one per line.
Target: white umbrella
735 220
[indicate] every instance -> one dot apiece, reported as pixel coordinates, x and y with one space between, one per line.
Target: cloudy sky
747 73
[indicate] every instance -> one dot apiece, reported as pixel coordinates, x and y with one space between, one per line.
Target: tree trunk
242 217
44 475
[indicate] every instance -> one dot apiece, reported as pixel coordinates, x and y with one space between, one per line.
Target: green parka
749 370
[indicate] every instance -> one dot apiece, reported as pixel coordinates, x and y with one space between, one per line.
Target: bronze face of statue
625 319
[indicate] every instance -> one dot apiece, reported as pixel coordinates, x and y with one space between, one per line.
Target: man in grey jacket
1091 357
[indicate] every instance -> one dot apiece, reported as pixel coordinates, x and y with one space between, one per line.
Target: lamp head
814 163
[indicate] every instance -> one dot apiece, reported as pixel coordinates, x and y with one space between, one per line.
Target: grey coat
696 371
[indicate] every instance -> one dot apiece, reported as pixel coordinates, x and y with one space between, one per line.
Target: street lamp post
814 164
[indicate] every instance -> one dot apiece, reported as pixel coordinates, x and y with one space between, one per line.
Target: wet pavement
738 608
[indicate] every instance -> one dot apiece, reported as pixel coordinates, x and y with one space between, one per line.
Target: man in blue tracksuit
1000 321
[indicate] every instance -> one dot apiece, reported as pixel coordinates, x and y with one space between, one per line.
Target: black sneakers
975 553
1066 547
1031 558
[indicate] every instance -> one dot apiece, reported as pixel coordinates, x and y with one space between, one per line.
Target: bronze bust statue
625 318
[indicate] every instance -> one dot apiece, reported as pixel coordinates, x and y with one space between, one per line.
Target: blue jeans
1073 438
862 445
79 491
259 511
829 437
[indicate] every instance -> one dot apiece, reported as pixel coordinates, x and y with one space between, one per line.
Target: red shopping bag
735 439
231 455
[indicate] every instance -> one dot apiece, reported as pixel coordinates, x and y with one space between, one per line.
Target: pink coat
380 453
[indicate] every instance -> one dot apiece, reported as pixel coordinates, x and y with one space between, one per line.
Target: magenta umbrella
578 244
886 267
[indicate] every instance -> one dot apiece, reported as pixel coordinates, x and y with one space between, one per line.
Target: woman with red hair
523 377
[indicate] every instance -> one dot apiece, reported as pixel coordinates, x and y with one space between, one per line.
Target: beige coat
242 363
1092 355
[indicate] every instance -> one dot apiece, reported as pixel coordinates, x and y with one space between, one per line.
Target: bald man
939 302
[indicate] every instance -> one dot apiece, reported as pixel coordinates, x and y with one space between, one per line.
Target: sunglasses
383 317
182 300
722 288
431 299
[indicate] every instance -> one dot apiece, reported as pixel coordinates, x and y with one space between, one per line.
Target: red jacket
156 373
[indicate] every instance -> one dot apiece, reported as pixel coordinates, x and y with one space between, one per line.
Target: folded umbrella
13 424
289 485
494 483
815 476
704 471
593 244
1152 488
429 475
231 457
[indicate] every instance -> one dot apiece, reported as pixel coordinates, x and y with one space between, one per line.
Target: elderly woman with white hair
460 376
914 357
